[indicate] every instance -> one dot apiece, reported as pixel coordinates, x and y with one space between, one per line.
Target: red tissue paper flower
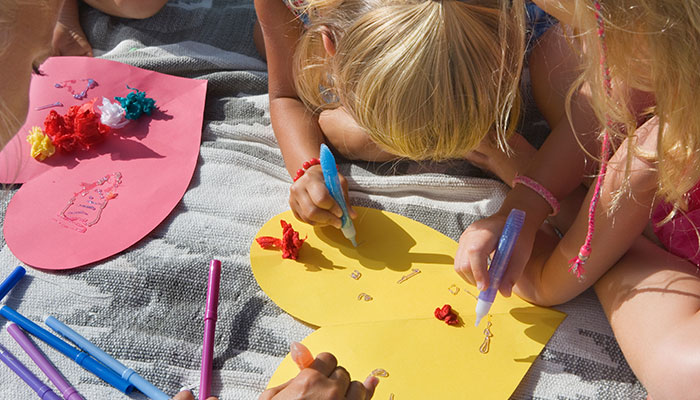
447 314
79 128
290 244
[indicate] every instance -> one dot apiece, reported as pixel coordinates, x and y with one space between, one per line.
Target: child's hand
312 203
477 244
323 379
187 395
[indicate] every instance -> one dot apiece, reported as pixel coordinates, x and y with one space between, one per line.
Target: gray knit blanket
145 305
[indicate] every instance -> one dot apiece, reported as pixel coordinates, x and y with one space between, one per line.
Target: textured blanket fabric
145 305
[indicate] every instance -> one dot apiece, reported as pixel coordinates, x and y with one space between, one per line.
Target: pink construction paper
155 155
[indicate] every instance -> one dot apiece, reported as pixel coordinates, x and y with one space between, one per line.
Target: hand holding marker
330 176
506 243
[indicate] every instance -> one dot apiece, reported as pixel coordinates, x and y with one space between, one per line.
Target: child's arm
546 279
296 128
562 10
558 166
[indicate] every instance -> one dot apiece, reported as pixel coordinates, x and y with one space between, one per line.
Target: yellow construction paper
427 359
397 330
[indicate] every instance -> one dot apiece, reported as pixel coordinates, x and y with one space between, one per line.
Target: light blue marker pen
128 374
330 176
500 261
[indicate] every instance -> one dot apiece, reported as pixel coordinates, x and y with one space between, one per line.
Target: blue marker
69 351
330 176
499 263
11 281
129 374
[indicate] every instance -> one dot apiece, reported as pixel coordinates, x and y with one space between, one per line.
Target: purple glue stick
500 261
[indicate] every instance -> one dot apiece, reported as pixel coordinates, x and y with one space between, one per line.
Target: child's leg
68 36
137 9
652 299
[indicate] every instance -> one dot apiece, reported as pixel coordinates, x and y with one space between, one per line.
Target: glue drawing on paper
84 209
484 348
414 272
365 297
380 372
453 289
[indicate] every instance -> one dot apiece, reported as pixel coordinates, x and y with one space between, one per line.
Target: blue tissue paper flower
136 103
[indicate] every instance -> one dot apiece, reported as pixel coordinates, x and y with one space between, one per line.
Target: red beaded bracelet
305 166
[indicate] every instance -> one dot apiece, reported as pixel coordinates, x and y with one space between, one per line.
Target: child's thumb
301 355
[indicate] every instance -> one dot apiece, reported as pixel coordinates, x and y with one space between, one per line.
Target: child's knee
140 9
135 9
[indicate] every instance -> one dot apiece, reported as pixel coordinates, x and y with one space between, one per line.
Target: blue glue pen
330 176
500 261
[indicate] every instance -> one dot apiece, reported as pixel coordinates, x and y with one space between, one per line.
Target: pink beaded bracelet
539 189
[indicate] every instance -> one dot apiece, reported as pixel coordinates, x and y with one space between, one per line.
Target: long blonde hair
652 45
426 79
8 11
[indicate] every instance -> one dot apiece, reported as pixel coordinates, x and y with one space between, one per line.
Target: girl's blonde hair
426 79
652 45
8 12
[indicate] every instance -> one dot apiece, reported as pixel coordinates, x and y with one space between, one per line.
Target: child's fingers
272 392
370 384
480 243
306 210
301 355
324 363
344 185
184 395
462 265
356 391
478 258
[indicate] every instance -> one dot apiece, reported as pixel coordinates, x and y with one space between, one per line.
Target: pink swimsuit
680 235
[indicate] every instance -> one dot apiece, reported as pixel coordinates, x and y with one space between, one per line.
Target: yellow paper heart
396 329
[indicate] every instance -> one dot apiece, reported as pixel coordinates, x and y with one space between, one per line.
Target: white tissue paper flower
112 114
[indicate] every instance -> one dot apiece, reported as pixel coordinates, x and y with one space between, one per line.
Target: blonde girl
380 79
647 99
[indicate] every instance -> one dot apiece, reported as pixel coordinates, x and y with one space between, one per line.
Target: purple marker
37 385
68 391
209 327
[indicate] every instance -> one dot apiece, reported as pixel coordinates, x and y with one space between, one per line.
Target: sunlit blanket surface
145 305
